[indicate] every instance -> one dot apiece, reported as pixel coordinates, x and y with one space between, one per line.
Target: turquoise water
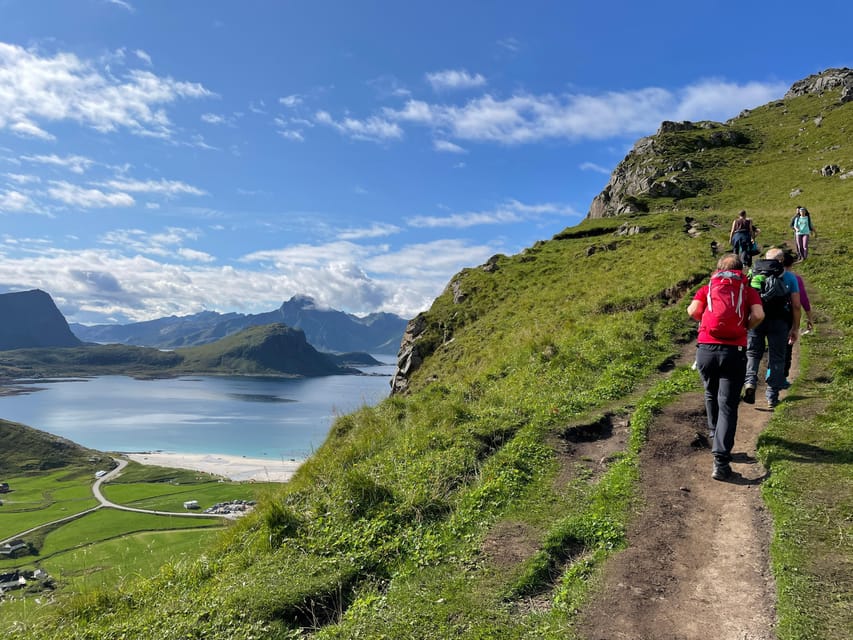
253 417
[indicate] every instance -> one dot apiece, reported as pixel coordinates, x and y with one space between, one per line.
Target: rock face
828 80
30 319
409 357
645 173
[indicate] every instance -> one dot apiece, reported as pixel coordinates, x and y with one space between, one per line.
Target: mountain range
327 330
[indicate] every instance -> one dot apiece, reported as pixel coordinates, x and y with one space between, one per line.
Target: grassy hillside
459 508
24 449
262 350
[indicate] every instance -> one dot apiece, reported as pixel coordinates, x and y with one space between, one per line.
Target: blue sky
166 157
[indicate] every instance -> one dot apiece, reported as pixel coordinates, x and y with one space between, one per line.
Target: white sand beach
232 467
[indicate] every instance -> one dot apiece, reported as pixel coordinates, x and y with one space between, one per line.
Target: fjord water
255 417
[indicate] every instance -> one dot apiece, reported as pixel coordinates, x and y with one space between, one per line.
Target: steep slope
479 500
24 449
273 348
31 319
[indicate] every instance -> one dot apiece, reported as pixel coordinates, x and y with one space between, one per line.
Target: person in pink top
726 308
806 305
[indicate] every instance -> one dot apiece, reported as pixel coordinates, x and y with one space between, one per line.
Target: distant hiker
803 227
726 308
780 296
742 237
788 261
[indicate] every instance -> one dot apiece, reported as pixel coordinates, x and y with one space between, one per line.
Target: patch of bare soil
697 563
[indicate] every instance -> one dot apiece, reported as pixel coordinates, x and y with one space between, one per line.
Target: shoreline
236 468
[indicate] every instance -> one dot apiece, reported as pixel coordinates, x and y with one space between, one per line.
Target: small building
4 487
191 504
14 580
11 549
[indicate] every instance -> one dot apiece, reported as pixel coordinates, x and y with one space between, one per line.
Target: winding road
96 490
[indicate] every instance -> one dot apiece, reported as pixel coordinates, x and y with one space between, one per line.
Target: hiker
726 308
780 296
803 227
806 306
742 237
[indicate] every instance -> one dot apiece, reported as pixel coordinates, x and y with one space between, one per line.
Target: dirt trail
697 564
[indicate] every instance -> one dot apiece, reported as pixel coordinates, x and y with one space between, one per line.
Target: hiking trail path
697 562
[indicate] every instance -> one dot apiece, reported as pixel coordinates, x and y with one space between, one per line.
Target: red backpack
725 313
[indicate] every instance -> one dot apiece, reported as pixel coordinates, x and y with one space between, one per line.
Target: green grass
36 500
382 533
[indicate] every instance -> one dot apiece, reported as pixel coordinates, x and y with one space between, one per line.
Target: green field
38 499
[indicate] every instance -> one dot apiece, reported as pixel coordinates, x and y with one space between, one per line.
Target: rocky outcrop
646 173
829 80
30 319
410 357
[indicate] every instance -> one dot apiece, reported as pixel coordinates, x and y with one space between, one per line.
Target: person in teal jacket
803 227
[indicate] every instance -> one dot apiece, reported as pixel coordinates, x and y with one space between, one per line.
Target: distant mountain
23 448
30 319
273 349
325 329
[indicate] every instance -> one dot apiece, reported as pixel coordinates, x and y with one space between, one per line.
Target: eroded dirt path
696 566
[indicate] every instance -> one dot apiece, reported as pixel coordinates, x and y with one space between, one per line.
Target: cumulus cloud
143 55
529 118
292 134
74 163
14 202
76 196
509 212
455 79
373 129
36 89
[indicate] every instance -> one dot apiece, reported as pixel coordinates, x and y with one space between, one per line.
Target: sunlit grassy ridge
384 532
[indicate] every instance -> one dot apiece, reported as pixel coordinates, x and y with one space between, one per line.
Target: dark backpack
725 313
767 278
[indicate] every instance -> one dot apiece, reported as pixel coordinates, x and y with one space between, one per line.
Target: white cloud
376 230
292 134
143 55
213 118
510 212
76 196
74 163
121 3
719 100
21 178
373 129
447 146
26 129
161 187
455 79
527 118
510 44
195 256
36 88
591 166
14 201
291 101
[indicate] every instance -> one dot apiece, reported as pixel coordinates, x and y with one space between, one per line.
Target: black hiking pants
723 370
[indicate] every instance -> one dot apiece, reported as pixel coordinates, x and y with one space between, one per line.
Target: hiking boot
772 403
749 394
722 471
